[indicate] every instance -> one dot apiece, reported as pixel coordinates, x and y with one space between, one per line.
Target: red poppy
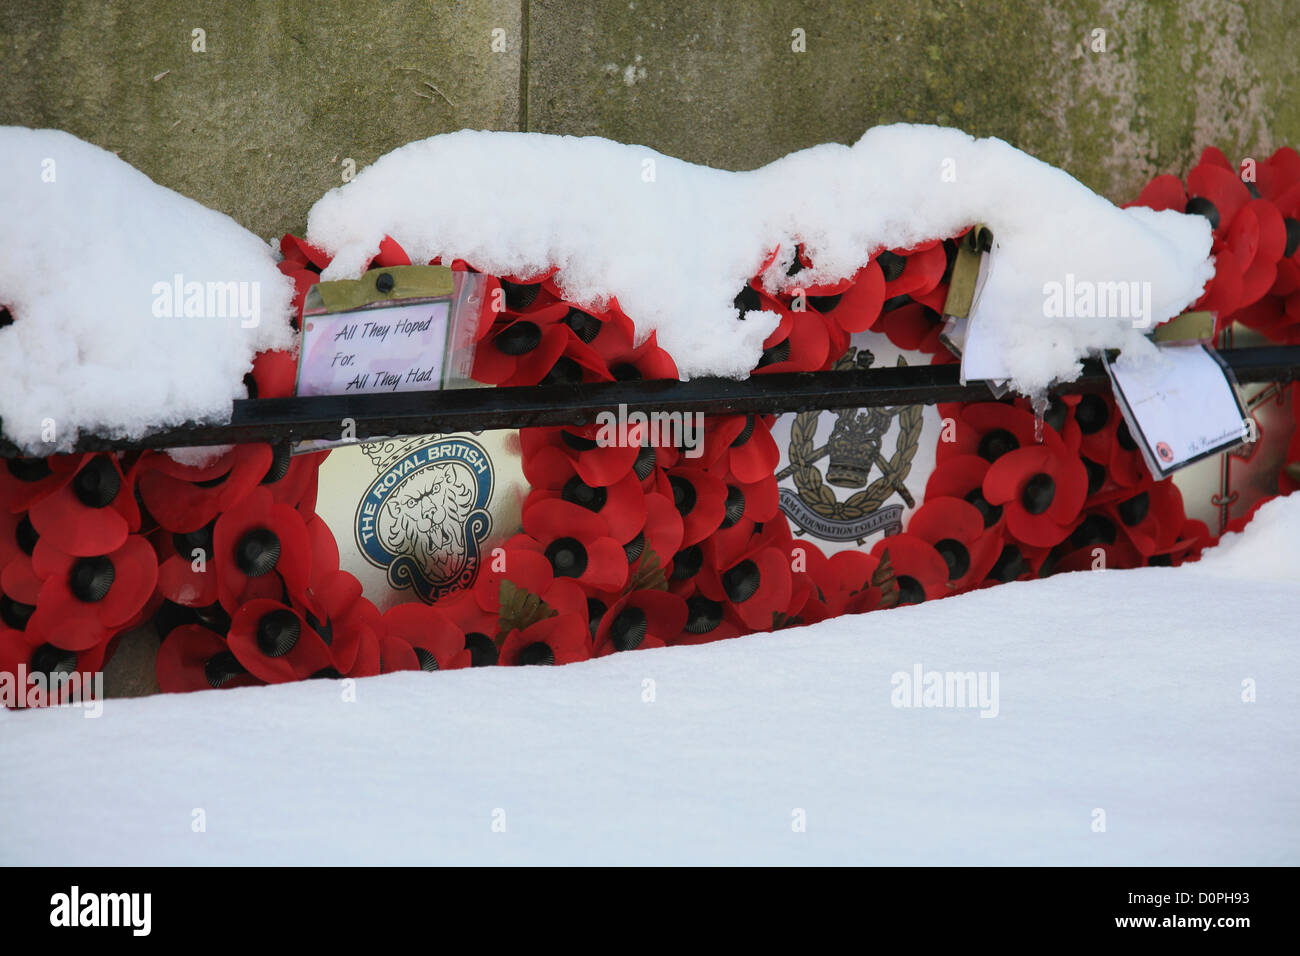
604 333
184 498
274 642
852 590
1216 191
256 537
913 272
1041 488
390 253
522 294
640 619
962 476
1274 317
91 512
302 252
18 600
1276 176
83 600
757 500
758 583
742 445
47 663
856 307
913 327
808 604
1163 192
1057 416
661 535
920 572
522 350
700 498
1106 447
520 564
754 297
1152 518
580 363
956 530
708 620
801 342
576 543
562 639
621 504
478 626
17 537
989 430
1193 538
1257 240
1099 556
598 458
1017 562
168 616
292 479
651 461
194 658
685 565
25 481
347 622
369 659
626 362
814 584
394 654
438 643
185 574
302 263
274 375
20 588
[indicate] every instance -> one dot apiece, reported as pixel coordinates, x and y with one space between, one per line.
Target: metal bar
481 409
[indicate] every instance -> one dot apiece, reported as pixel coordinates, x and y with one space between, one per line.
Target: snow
674 242
1119 691
105 271
89 256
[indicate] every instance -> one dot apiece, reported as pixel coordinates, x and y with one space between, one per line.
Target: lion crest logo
425 515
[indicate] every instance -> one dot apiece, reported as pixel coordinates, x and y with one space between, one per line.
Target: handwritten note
397 348
1181 408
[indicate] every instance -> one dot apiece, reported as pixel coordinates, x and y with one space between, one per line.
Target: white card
981 359
1180 408
392 348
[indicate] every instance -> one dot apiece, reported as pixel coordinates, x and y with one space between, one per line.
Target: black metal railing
480 409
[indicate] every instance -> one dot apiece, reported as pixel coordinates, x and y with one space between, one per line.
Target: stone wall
260 113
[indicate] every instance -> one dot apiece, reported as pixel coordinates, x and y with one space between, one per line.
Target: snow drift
1123 692
674 242
134 307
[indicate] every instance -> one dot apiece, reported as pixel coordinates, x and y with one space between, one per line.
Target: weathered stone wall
263 119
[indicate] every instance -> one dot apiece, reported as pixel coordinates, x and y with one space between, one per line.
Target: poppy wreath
622 547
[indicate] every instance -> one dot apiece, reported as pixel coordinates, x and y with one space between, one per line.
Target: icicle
1039 403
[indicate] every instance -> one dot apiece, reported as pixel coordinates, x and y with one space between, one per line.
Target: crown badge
385 451
856 451
854 445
